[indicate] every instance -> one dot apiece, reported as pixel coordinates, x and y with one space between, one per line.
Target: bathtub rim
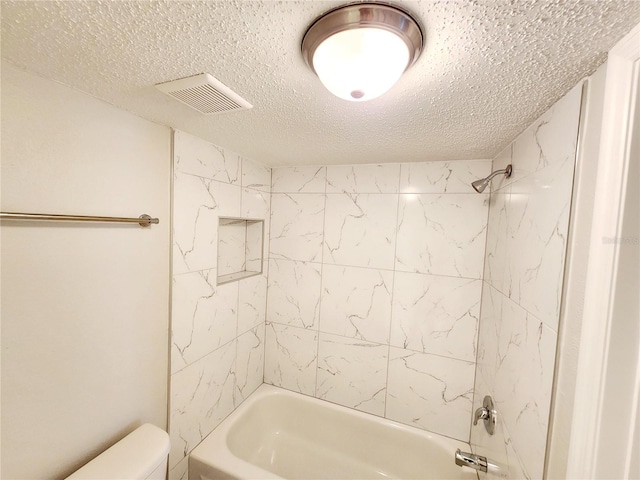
216 441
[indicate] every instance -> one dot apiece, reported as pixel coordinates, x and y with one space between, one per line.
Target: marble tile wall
373 288
217 332
524 265
375 278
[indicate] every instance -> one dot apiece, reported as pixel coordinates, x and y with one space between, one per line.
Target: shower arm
504 171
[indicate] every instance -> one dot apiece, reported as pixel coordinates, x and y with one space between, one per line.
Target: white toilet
140 455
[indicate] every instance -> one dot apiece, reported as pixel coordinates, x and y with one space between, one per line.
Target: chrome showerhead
480 185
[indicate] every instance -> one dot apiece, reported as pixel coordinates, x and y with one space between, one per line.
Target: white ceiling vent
204 93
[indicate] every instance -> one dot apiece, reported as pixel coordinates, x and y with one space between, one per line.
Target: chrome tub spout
476 462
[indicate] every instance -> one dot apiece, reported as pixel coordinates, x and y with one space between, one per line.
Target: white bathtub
277 434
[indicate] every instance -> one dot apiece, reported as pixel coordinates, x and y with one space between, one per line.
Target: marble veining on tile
256 205
352 373
217 331
442 234
551 139
204 316
249 368
291 358
360 230
356 302
437 315
334 315
297 226
198 202
293 295
524 267
442 177
256 176
363 178
537 228
204 159
524 376
298 179
252 300
201 397
430 392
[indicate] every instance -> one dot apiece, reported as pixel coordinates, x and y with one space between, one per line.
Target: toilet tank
140 455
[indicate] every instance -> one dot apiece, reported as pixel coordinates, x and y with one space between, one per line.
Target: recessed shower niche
240 248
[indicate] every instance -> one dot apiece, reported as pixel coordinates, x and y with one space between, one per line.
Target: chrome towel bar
143 220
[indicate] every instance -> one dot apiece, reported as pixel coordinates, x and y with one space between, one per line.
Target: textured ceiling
489 68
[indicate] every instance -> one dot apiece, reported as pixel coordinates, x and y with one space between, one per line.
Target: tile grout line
235 360
322 247
266 296
480 308
393 284
377 268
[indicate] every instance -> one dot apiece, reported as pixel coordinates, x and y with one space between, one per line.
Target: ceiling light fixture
360 51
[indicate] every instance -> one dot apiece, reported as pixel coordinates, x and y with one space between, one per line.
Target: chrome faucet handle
481 414
487 413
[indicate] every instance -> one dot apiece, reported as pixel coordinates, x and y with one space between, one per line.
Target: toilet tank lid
136 456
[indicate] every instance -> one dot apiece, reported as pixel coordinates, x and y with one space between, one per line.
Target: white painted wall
84 306
608 373
622 387
576 275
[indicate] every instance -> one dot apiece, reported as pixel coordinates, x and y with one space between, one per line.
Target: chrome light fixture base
371 16
362 15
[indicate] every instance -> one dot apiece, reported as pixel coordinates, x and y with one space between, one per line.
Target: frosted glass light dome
361 64
360 51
